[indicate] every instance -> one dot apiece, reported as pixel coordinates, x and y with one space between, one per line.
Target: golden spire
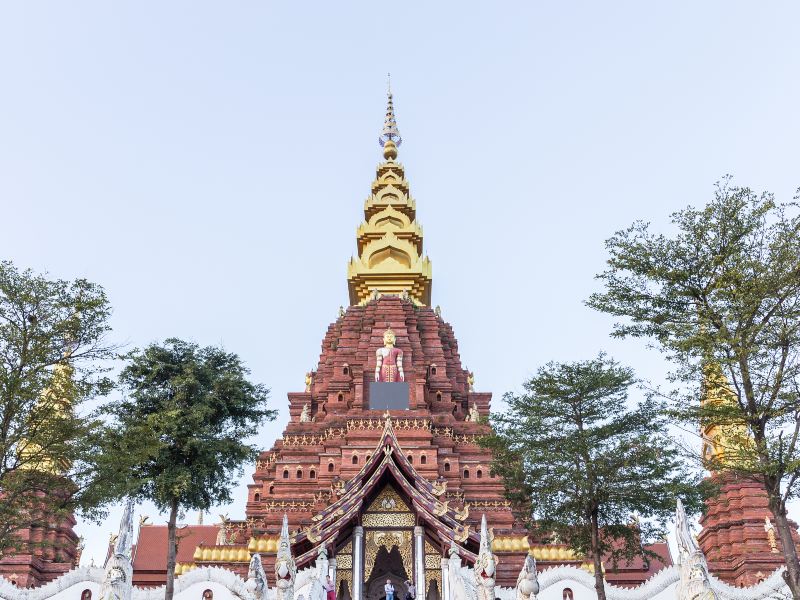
390 259
722 443
56 401
390 131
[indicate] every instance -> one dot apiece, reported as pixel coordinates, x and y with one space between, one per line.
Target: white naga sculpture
694 583
118 579
528 580
317 592
485 565
285 568
257 578
461 588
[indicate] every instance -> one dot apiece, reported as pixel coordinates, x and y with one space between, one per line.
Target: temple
379 475
379 463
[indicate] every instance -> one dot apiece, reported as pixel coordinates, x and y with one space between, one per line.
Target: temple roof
388 458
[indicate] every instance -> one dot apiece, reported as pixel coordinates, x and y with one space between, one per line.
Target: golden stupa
390 259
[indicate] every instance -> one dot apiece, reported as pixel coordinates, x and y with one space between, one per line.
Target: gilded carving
290 506
373 424
439 488
344 575
388 520
489 504
344 561
432 575
313 535
462 514
462 533
440 508
388 500
387 539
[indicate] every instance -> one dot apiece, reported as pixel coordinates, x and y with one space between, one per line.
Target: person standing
330 590
389 589
411 590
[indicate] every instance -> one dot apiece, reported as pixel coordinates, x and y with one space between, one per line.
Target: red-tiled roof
151 547
635 571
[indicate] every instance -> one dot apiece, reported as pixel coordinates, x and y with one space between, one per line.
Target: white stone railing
230 586
81 575
228 579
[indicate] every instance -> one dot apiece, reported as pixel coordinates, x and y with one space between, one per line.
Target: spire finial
390 132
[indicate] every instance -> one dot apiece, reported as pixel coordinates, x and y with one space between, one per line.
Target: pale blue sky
207 162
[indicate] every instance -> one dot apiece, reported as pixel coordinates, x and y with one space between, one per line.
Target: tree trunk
792 573
172 550
599 582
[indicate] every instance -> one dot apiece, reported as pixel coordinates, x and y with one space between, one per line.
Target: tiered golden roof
390 259
57 400
720 441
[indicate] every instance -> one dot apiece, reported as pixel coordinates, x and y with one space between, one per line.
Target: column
332 570
419 561
358 561
445 591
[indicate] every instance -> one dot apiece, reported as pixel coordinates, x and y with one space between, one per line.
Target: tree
579 466
721 297
52 353
186 416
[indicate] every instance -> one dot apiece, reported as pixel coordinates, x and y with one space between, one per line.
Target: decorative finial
390 137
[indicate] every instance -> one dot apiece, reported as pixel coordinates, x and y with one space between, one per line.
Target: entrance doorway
388 565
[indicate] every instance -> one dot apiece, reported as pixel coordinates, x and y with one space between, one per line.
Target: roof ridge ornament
390 132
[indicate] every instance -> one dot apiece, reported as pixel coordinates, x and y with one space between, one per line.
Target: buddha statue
389 360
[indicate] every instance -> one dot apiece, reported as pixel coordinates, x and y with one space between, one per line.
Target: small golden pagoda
722 443
390 260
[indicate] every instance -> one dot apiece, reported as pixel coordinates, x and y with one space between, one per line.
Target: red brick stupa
740 542
47 546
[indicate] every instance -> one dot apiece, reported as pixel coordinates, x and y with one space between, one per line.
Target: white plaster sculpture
460 589
317 592
528 580
485 565
285 568
257 578
695 583
118 579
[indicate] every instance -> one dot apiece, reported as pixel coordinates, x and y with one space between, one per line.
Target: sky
207 162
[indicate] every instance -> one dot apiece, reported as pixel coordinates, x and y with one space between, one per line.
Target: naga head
486 562
528 580
285 568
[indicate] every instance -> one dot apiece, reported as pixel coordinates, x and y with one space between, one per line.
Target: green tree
580 466
53 354
185 417
722 295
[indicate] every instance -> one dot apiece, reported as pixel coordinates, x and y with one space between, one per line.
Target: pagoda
47 547
379 464
738 538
